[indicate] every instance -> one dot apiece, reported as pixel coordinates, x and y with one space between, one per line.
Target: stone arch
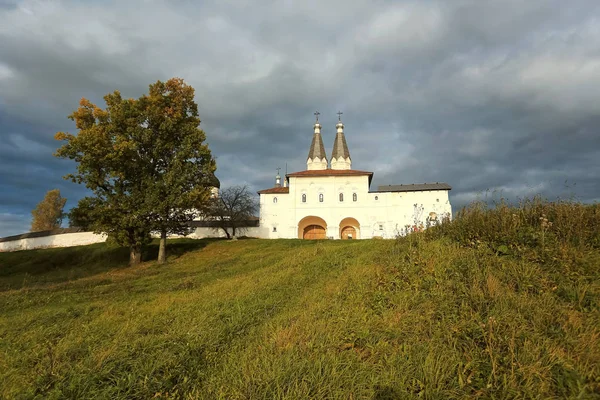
349 228
312 227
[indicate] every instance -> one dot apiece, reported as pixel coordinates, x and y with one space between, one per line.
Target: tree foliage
81 216
179 164
144 160
48 214
232 209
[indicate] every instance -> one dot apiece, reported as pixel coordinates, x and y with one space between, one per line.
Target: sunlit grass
437 315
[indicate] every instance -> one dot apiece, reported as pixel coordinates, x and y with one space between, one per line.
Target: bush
532 224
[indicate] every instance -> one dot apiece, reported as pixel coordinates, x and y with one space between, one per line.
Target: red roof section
274 190
331 172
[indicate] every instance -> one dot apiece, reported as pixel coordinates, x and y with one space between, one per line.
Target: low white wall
201 233
61 240
83 238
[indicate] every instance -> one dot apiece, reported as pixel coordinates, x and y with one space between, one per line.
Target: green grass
437 315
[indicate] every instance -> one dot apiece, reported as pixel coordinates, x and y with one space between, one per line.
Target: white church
330 200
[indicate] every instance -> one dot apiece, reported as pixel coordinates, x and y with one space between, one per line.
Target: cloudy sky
484 95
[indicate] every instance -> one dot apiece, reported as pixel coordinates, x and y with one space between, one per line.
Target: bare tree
232 210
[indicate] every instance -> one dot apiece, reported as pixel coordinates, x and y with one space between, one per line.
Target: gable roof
274 190
415 187
330 172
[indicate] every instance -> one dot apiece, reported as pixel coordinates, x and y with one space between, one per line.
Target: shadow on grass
43 266
386 393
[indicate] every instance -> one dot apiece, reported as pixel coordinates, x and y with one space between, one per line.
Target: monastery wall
376 214
201 233
85 238
59 240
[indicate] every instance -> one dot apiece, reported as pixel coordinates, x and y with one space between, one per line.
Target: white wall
84 238
391 211
201 233
61 240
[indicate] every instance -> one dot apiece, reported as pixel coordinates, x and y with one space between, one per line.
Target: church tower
340 157
317 158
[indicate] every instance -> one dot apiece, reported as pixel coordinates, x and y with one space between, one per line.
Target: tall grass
486 306
531 224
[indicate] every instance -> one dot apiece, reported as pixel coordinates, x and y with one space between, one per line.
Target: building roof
331 172
317 149
274 190
415 187
214 181
28 235
340 147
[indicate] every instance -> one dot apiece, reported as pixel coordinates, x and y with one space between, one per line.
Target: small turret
278 179
215 185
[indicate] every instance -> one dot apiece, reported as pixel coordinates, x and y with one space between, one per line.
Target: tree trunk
135 254
233 231
227 233
162 248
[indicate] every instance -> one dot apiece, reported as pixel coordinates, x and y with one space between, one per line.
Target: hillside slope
257 319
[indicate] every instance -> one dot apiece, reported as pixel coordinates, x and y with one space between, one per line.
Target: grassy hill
499 304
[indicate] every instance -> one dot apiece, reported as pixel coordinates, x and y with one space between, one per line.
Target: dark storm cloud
485 95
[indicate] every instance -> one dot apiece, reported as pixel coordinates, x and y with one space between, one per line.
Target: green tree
145 162
48 214
106 151
82 215
178 161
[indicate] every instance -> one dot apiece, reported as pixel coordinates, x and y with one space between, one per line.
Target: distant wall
206 232
56 240
67 238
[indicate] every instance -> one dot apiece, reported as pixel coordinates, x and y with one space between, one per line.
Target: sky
496 98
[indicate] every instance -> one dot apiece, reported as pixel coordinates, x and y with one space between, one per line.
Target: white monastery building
331 200
327 200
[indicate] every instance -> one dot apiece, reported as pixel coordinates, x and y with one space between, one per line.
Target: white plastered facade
339 197
376 214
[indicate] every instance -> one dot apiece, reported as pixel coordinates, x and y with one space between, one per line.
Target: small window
341 196
380 227
274 229
354 197
376 197
304 197
438 200
320 197
274 199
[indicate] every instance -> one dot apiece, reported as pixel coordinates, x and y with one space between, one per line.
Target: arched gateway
349 228
311 228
